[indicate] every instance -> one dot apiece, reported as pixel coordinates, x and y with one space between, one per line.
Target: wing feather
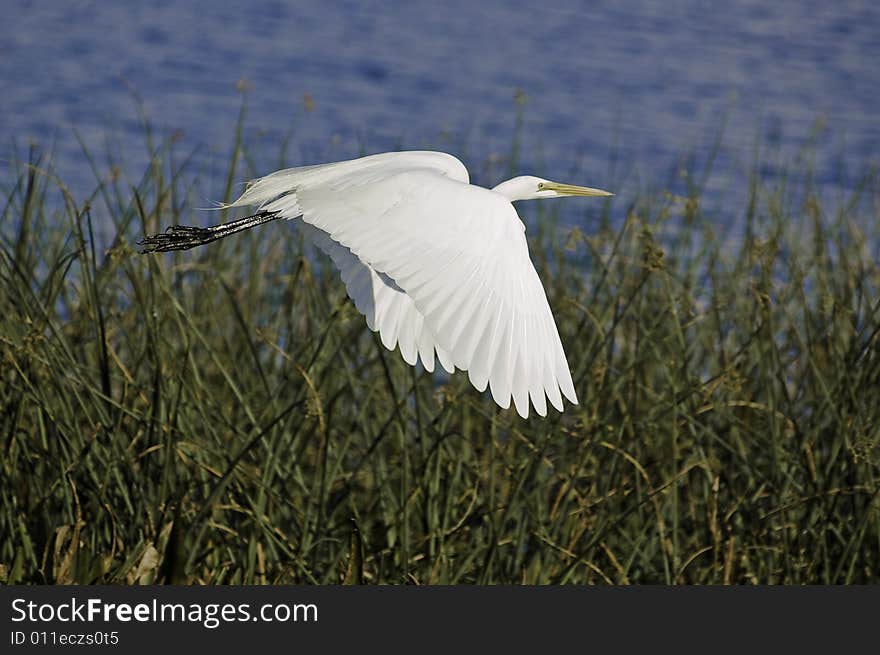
376 297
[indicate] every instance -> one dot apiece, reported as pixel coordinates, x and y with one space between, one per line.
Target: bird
439 267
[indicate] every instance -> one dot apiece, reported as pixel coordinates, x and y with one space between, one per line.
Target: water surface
636 82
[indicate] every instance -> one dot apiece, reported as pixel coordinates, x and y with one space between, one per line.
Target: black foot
177 237
184 237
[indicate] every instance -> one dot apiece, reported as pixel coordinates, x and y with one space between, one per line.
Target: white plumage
439 267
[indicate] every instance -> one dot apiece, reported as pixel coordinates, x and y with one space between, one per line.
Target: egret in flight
439 267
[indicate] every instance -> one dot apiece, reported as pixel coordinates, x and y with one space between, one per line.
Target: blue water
616 91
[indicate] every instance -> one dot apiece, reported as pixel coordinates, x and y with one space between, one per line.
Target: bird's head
529 187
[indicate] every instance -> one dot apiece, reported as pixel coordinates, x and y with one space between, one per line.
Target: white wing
459 253
387 308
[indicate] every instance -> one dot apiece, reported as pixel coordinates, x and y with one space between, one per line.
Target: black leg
184 237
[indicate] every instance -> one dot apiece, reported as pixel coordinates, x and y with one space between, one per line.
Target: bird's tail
265 189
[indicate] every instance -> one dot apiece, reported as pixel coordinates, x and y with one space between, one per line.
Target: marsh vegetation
224 416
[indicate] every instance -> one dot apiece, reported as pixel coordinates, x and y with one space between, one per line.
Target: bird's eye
540 185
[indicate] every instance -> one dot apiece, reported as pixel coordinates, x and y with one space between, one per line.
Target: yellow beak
572 190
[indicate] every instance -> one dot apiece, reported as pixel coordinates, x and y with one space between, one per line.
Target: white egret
436 265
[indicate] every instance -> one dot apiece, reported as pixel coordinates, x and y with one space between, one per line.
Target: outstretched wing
457 251
385 306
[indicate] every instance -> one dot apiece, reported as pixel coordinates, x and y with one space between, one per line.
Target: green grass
224 415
